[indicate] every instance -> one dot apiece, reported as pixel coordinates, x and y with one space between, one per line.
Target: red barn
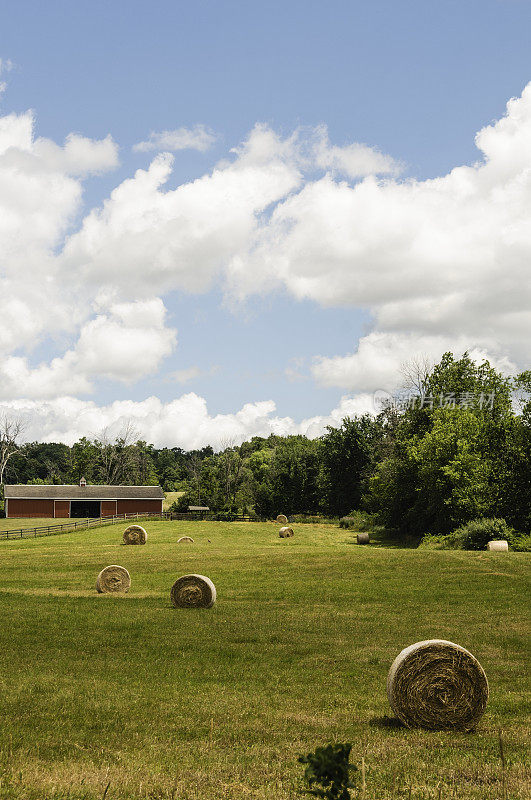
22 500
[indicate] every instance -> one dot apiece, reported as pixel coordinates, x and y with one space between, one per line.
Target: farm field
16 523
129 696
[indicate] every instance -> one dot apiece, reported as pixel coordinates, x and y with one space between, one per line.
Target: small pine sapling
328 772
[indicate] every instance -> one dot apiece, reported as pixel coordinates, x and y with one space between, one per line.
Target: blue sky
412 80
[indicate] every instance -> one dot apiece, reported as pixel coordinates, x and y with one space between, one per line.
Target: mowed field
127 697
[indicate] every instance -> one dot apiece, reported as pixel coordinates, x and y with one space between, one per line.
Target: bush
359 520
522 543
434 541
348 523
475 534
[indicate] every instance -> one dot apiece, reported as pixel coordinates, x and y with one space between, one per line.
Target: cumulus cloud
126 344
378 359
196 138
183 422
354 160
440 264
145 238
78 155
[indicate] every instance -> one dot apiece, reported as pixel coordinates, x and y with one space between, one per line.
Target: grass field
170 498
217 704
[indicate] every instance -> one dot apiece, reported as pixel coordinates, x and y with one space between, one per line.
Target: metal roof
198 508
74 492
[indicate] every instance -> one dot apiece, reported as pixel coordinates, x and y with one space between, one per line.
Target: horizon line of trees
457 449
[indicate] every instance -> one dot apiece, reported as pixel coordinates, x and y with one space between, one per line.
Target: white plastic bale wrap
185 540
193 591
437 685
282 519
498 545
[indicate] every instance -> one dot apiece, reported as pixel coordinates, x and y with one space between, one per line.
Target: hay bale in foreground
184 539
193 591
362 538
285 532
135 534
437 685
282 519
113 579
498 545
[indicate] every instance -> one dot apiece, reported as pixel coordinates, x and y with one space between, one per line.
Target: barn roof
74 492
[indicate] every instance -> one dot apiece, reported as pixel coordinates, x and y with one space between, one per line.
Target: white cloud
79 155
440 264
378 359
184 422
185 375
5 66
127 344
196 138
354 160
191 373
145 238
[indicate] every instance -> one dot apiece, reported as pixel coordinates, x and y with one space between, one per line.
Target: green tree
344 455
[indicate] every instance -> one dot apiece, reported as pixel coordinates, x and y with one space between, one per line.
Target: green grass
170 498
15 523
217 704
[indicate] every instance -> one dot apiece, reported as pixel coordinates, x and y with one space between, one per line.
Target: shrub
433 541
328 772
347 522
522 543
475 534
359 520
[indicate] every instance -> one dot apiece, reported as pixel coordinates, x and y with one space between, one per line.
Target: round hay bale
285 532
113 579
135 534
498 545
437 685
185 539
282 519
362 538
193 591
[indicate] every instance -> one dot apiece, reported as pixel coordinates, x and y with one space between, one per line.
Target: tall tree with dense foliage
344 455
447 464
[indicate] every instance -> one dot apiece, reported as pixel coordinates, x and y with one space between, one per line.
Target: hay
437 685
113 579
185 539
282 519
362 538
135 534
498 545
285 532
193 591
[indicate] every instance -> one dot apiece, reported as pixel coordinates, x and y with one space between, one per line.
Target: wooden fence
93 522
71 525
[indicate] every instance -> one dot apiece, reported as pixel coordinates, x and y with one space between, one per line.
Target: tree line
454 446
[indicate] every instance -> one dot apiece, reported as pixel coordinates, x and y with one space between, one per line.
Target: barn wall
30 508
139 506
108 508
62 508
